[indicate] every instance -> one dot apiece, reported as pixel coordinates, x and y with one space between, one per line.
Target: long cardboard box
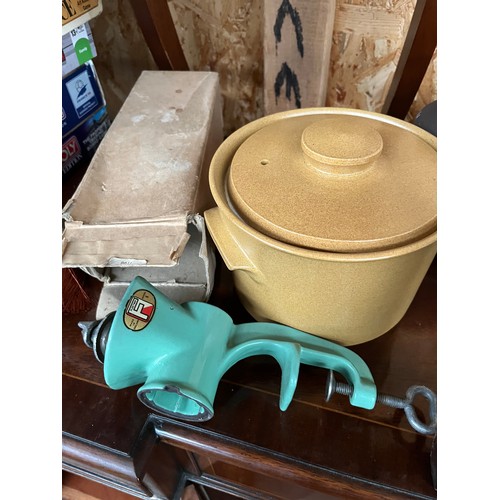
148 180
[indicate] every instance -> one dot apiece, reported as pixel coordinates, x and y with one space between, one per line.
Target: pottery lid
343 181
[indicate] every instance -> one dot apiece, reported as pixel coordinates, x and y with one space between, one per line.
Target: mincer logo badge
139 310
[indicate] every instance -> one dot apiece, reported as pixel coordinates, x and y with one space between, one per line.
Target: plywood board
297 43
227 36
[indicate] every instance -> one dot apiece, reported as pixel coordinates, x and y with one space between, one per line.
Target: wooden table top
374 453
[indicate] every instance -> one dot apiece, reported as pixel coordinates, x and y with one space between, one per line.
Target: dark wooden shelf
250 448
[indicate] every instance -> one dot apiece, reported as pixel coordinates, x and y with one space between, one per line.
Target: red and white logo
70 148
139 310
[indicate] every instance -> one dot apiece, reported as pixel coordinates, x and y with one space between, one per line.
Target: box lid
148 174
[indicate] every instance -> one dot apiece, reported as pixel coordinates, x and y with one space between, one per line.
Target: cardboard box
80 145
147 184
77 12
82 96
77 48
190 279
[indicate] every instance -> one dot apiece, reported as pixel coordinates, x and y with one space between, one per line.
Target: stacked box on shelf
77 12
85 120
80 145
78 47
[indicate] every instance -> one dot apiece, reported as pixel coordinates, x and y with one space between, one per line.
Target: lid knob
341 145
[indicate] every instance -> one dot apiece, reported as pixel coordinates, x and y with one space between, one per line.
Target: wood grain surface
297 44
333 449
227 36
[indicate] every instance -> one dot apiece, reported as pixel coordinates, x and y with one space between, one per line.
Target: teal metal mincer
179 353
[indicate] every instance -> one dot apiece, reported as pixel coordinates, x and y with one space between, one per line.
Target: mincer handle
290 347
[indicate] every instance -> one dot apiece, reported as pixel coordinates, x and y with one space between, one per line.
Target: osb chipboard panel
225 36
122 53
368 36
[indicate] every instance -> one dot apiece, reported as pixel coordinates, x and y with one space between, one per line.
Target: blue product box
78 47
79 146
81 96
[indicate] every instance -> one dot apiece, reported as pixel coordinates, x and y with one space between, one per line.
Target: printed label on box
72 9
81 44
82 95
80 146
77 48
71 154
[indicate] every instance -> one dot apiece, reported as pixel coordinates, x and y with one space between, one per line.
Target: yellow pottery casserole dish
327 218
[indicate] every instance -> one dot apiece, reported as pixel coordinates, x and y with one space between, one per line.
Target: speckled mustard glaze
327 218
